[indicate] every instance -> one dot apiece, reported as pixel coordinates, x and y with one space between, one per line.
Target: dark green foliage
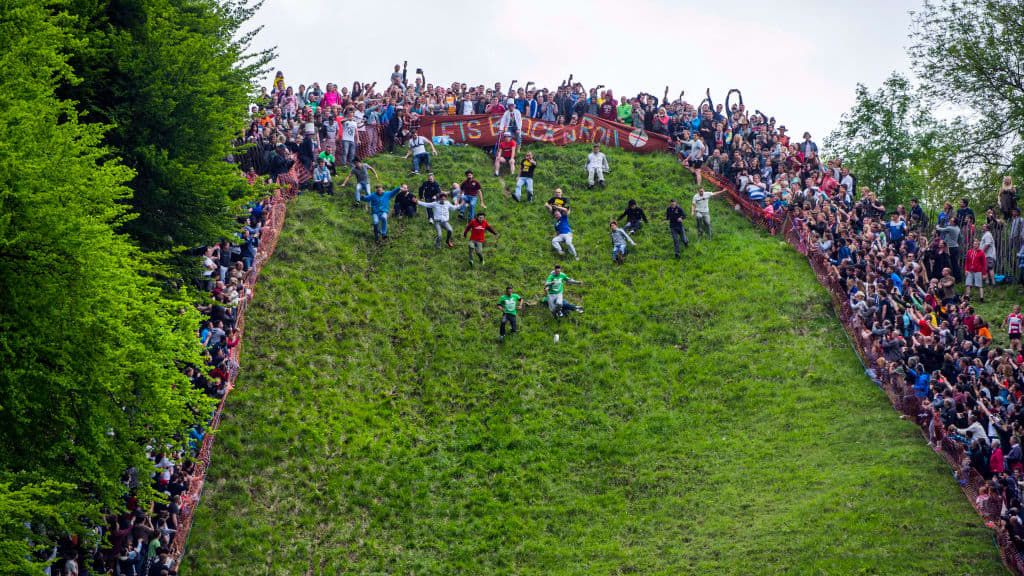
971 54
173 82
894 145
88 346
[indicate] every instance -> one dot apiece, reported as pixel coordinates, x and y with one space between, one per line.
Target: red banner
482 130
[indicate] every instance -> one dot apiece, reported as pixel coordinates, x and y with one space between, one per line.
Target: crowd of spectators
909 286
139 541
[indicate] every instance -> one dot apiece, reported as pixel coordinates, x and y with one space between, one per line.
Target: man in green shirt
555 288
510 303
624 111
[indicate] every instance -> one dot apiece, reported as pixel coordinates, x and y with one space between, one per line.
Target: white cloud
796 60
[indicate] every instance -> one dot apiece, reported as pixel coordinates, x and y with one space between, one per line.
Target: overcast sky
796 60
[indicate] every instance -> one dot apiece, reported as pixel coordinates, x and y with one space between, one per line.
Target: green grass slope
704 416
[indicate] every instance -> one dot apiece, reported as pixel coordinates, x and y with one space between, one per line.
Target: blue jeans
365 187
348 152
523 180
618 250
380 224
418 159
471 201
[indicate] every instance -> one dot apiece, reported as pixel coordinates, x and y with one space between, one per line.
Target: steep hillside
703 416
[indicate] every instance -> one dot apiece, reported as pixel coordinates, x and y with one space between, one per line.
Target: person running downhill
477 228
510 304
555 289
526 167
380 204
675 215
360 170
563 232
471 195
619 239
442 214
700 210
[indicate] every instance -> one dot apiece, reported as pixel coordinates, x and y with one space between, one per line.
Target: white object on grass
556 338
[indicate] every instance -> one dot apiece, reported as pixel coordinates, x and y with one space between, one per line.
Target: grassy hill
703 416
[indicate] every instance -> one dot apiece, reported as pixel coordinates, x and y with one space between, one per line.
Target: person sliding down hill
563 232
478 229
619 239
635 217
506 154
597 165
442 215
510 303
380 202
555 288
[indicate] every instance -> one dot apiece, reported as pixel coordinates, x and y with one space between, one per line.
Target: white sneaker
430 220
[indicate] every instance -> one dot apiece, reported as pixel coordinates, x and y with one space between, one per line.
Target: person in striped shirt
1014 327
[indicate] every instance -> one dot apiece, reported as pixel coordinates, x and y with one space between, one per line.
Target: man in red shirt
478 229
607 108
506 154
975 267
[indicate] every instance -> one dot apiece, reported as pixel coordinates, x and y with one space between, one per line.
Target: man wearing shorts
1014 326
975 267
988 246
510 303
506 154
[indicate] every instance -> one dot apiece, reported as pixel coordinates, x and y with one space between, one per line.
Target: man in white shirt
700 210
418 151
597 165
512 121
988 246
349 139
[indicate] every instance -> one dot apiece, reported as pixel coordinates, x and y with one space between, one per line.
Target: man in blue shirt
563 232
897 229
380 204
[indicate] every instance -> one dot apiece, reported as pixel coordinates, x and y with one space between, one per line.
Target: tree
90 349
971 54
896 147
174 80
31 518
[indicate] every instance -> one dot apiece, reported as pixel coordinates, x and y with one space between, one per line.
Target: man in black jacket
634 216
675 215
428 193
279 163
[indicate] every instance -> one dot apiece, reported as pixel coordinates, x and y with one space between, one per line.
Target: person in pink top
331 97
